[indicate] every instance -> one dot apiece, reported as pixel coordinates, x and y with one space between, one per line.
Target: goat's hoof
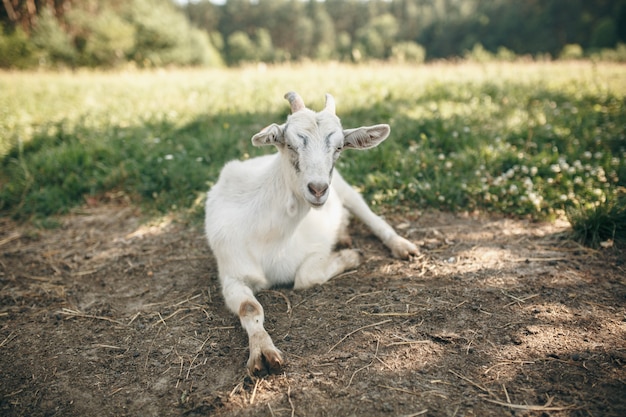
351 258
402 248
268 361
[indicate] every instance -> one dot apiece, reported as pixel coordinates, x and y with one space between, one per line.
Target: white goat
275 219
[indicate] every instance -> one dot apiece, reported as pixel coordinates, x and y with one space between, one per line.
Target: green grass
599 224
528 139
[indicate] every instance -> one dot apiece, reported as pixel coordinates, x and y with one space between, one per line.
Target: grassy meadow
527 139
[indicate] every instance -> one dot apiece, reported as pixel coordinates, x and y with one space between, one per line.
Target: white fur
276 219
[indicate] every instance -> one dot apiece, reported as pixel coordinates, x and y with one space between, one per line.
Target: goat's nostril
317 189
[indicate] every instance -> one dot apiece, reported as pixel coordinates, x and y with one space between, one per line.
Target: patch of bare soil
108 316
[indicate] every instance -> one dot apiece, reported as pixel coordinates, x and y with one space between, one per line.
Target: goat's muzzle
319 192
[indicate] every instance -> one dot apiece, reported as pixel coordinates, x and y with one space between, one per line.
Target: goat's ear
271 135
365 137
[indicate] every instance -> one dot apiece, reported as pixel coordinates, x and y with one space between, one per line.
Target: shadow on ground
107 315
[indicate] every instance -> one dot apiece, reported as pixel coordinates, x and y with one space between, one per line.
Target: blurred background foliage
157 33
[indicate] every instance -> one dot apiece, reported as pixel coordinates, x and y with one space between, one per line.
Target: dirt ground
108 315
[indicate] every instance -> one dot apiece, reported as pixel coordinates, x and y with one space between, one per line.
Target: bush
408 52
505 54
611 55
15 49
479 54
572 51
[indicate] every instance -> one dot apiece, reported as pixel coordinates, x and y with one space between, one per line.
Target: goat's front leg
399 246
264 356
319 267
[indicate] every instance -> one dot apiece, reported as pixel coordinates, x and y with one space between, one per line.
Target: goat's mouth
316 202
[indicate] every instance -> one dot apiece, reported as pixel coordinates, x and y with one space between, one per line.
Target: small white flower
535 199
528 183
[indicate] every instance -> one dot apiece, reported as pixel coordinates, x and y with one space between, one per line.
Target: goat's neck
284 191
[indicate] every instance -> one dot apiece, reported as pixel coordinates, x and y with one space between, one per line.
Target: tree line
160 32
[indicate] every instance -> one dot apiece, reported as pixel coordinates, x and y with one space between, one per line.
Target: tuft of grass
598 223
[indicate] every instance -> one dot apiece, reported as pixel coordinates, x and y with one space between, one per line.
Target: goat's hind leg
264 356
320 267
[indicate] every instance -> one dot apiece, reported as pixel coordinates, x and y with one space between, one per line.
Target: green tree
263 45
378 37
110 40
163 36
303 36
324 37
240 48
344 46
53 43
202 50
604 34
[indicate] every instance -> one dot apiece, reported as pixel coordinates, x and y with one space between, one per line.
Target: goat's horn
295 101
330 103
